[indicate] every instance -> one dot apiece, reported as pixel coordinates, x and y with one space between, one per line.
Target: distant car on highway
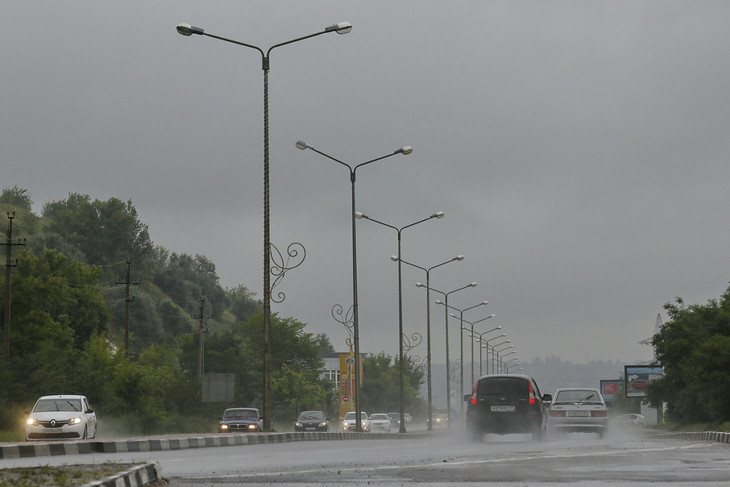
242 420
439 420
631 419
349 421
578 410
394 419
379 422
312 421
61 417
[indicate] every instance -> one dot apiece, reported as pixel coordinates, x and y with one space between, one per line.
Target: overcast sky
579 150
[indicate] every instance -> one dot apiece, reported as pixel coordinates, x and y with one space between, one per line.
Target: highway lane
441 458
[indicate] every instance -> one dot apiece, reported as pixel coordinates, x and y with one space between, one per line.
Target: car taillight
473 399
557 414
599 414
532 393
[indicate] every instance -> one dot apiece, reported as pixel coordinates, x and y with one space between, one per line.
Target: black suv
505 404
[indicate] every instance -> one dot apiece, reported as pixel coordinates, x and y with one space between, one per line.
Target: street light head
438 214
340 28
188 30
473 284
360 215
420 284
302 145
405 150
394 258
438 301
500 326
485 303
459 257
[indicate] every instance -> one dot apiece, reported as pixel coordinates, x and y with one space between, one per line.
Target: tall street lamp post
428 270
487 346
471 334
480 335
439 214
495 354
188 30
501 359
446 321
511 360
461 348
405 150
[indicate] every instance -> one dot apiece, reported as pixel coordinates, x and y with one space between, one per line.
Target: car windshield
48 405
240 414
351 415
379 417
311 415
573 396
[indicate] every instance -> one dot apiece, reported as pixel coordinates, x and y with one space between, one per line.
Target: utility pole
202 329
8 265
127 300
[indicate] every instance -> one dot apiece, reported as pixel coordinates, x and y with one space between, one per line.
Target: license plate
51 430
503 409
578 414
310 429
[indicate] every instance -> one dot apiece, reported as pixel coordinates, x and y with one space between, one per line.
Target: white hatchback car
61 417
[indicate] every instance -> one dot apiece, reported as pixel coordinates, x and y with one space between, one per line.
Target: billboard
637 377
347 382
612 389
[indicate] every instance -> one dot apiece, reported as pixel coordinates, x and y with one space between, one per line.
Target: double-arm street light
471 334
506 367
446 321
486 342
501 359
405 150
480 335
428 270
399 230
495 354
188 30
461 348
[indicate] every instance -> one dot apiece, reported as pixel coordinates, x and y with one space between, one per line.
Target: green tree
105 232
380 389
56 309
17 197
693 347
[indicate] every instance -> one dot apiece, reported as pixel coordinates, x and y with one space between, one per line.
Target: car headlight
323 424
253 427
298 424
74 421
223 427
32 421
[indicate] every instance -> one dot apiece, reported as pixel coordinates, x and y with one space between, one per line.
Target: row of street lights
344 28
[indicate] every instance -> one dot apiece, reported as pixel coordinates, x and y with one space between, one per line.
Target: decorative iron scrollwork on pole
281 266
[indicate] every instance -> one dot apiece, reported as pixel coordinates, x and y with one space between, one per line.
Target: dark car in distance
240 420
312 421
505 404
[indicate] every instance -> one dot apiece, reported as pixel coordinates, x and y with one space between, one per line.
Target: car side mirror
89 411
467 397
547 397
